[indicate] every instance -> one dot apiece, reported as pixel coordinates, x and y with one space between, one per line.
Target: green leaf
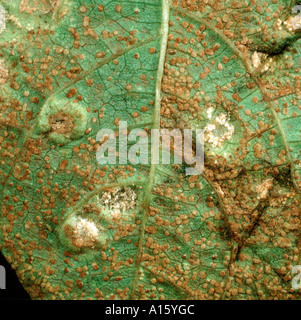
75 229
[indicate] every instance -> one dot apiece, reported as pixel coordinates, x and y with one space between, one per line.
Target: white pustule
85 233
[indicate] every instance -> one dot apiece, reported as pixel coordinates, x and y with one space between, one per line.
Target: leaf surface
75 229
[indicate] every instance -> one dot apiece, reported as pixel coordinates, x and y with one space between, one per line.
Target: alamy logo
2 19
297 19
143 151
2 278
296 282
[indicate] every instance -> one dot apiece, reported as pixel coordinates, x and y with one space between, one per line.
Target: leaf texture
231 68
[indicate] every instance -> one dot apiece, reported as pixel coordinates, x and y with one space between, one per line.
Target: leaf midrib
156 125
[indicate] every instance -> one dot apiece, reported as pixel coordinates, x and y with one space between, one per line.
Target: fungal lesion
118 201
258 58
61 123
88 228
219 131
293 23
263 62
85 234
80 233
264 188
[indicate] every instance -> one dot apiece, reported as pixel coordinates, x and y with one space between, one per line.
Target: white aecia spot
29 27
209 112
269 65
264 188
85 233
278 24
257 59
186 266
209 131
221 119
118 201
293 23
141 274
